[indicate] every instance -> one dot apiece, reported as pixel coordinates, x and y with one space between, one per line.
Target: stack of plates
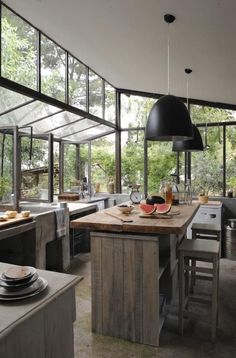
19 282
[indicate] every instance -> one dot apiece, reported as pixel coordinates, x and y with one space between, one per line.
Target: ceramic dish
24 296
18 274
23 291
18 285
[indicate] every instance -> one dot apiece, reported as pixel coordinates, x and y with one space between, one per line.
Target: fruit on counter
147 208
162 208
155 199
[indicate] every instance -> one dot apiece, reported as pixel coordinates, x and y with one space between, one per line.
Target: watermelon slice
162 208
147 208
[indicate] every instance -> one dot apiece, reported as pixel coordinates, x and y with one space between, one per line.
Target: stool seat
197 246
190 252
206 226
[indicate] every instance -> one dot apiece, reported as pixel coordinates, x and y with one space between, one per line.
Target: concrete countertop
78 207
209 203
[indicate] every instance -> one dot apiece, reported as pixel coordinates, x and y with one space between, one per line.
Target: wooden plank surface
102 222
17 220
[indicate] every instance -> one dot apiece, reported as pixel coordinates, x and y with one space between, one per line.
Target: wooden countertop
17 220
100 221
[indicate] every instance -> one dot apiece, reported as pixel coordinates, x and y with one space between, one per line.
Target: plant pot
203 199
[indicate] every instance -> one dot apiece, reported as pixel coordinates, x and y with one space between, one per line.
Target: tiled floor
194 343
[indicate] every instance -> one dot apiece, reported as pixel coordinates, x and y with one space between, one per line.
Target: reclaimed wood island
134 270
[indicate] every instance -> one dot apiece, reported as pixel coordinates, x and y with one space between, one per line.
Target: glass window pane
53 62
132 159
77 84
56 168
19 50
207 166
6 167
76 127
231 159
161 164
135 110
95 94
83 161
34 170
110 103
204 114
10 99
55 121
103 163
70 175
90 133
27 114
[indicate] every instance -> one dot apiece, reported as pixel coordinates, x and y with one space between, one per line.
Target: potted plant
203 197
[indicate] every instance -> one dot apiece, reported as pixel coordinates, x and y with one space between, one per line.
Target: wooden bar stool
197 250
207 232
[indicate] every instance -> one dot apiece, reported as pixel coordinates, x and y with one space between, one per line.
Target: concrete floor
194 343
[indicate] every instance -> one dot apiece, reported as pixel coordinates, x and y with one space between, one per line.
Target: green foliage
18 50
4 187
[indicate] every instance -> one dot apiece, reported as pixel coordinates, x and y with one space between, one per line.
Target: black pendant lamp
169 118
191 145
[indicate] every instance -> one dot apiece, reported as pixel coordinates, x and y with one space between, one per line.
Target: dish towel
60 223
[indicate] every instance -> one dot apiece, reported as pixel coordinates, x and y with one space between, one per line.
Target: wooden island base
134 270
129 283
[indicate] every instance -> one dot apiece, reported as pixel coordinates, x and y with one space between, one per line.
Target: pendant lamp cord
168 61
187 95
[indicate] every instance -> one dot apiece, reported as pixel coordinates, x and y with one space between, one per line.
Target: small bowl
25 213
11 214
125 209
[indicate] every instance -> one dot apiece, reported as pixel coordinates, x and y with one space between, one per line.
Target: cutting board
169 215
17 219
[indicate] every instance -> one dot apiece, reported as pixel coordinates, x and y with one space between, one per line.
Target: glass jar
175 194
162 190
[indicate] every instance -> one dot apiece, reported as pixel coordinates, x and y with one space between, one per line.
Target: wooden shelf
163 263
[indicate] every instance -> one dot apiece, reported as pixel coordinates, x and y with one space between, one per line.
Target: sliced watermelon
147 208
162 208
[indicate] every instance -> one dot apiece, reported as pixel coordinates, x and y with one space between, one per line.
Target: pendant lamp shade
168 120
192 145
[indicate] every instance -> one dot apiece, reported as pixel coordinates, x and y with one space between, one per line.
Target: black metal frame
37 95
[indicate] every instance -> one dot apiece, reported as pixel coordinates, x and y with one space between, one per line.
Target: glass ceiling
25 112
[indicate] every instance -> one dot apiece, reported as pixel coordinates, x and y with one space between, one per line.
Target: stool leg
218 281
181 292
193 264
193 279
214 299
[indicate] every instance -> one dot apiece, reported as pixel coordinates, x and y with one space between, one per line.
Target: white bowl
125 209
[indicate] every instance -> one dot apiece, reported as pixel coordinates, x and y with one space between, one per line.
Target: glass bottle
175 193
188 193
168 193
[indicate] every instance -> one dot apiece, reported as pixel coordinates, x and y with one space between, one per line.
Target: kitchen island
40 326
134 270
